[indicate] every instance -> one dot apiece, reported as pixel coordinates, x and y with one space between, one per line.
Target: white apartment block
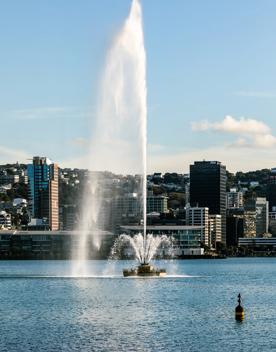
198 216
214 229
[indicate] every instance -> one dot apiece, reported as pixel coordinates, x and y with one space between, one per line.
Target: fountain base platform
144 270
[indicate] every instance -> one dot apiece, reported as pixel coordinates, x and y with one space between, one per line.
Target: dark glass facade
208 189
43 190
271 190
234 226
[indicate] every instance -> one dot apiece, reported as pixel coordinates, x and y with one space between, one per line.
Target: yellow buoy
239 311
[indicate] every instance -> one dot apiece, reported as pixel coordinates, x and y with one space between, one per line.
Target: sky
211 68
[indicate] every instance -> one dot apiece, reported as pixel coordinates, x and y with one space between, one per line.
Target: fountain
119 141
145 248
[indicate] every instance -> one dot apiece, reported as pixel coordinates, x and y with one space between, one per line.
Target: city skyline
210 87
137 175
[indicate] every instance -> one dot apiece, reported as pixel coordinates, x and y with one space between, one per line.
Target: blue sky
205 60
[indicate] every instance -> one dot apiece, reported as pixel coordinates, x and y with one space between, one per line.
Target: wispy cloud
252 133
49 112
256 94
231 125
259 141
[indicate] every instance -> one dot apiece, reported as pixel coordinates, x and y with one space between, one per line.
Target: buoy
239 311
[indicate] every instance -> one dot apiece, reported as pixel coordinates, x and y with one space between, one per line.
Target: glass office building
43 191
208 189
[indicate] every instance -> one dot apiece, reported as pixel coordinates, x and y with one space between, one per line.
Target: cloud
231 125
48 112
240 143
265 140
256 94
252 133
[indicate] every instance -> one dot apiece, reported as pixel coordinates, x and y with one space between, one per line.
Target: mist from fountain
145 248
119 138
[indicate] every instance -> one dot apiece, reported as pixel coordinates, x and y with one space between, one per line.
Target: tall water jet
119 138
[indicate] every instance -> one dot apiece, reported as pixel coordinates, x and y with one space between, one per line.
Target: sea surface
42 308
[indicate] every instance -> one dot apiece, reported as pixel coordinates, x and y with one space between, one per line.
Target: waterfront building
199 216
259 245
187 239
208 189
40 244
214 230
43 191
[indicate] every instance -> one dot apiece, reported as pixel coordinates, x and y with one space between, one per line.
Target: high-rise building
214 230
208 189
250 218
43 191
271 190
256 217
234 226
262 216
187 193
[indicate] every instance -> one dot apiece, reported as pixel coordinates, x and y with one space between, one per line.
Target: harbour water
44 309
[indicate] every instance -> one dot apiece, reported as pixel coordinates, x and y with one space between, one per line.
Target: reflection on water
192 312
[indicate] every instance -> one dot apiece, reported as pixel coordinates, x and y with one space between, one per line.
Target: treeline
244 180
